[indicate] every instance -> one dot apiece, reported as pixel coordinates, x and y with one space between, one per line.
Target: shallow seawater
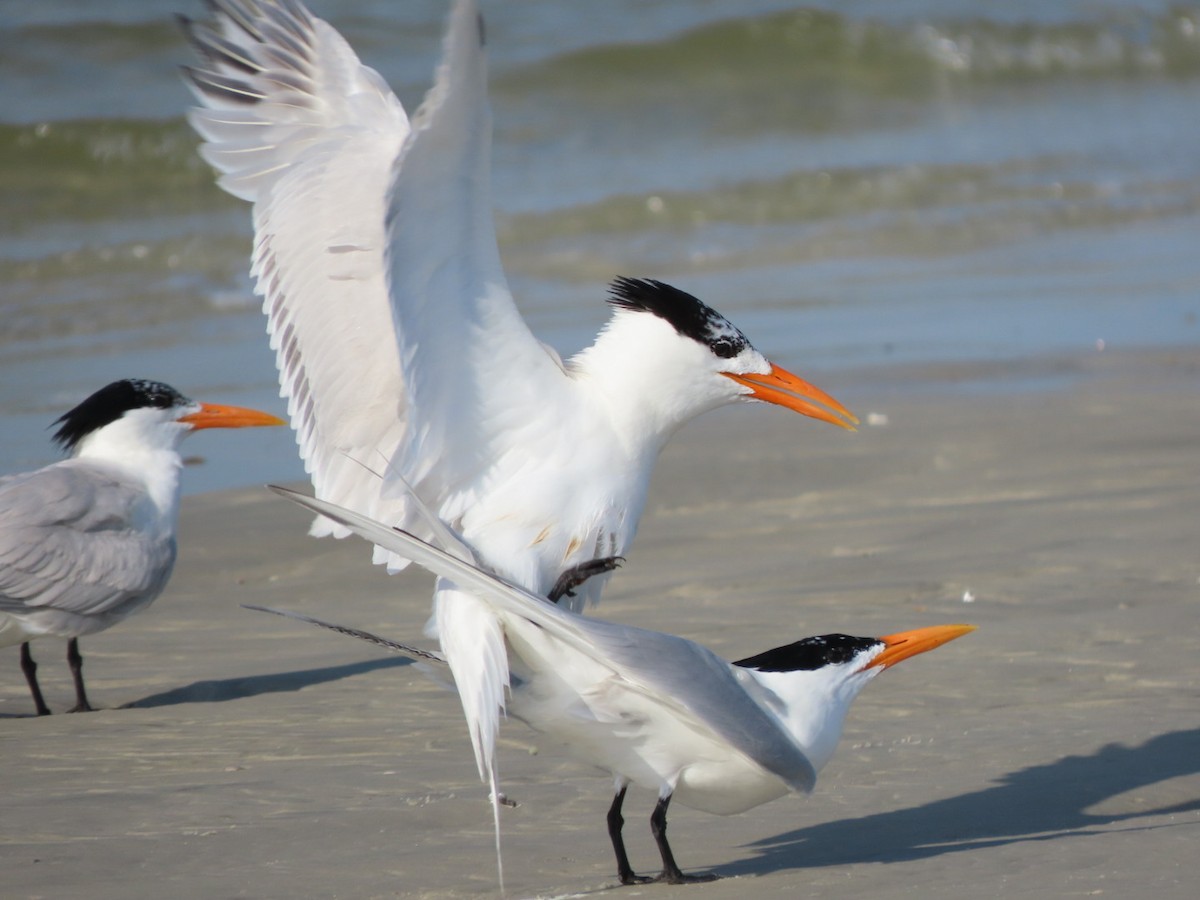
855 184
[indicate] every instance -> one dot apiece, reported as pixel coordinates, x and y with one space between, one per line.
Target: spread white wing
396 338
478 381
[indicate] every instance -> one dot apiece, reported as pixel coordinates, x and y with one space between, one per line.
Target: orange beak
781 387
901 646
212 415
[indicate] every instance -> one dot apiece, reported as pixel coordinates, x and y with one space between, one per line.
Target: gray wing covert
67 542
700 681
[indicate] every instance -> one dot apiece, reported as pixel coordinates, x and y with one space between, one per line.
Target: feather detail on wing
478 383
68 544
415 652
300 128
472 640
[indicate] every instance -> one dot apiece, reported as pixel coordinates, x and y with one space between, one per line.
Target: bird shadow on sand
221 689
1040 803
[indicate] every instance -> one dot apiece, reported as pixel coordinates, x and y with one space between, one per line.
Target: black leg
29 667
658 827
75 661
615 823
577 575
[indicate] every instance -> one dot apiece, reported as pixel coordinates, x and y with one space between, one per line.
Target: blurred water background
864 186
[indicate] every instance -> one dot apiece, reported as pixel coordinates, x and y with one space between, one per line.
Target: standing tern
397 339
657 710
90 540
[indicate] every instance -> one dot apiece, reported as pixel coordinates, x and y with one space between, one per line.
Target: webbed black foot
577 575
670 873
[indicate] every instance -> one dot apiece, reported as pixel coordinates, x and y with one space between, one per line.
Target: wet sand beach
1053 753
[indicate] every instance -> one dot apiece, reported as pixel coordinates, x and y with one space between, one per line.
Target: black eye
725 348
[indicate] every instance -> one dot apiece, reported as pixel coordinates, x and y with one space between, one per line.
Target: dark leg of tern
615 822
658 827
577 575
75 661
29 667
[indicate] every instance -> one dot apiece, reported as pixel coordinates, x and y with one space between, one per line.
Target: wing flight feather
478 381
299 127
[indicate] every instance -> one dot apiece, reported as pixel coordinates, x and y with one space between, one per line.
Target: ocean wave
1126 45
811 196
110 224
917 210
812 48
89 170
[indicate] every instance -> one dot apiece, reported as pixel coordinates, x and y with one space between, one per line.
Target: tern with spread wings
89 541
399 346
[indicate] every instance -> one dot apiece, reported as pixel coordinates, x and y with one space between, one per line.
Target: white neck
144 447
812 705
648 379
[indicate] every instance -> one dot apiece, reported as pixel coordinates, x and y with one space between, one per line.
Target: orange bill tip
781 387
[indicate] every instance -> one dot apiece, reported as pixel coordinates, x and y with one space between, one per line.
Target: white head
665 357
813 681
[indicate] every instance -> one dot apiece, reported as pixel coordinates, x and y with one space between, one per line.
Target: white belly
530 529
